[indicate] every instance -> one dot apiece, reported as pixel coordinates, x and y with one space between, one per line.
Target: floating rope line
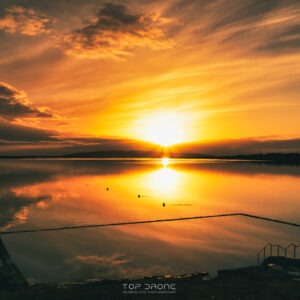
146 222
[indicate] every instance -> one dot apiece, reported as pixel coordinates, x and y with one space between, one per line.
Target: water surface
51 193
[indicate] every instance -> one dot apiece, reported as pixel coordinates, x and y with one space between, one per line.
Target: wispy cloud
244 27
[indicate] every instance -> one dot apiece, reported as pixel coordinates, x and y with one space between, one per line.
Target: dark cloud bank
14 104
114 31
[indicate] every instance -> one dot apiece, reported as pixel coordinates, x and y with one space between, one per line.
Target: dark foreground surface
277 278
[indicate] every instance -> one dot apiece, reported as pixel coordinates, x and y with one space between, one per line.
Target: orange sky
218 70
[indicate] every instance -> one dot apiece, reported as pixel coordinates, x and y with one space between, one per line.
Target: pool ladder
270 249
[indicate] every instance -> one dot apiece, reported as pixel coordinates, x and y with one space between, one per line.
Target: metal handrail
279 251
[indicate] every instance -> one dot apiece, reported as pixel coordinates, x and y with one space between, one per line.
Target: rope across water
146 222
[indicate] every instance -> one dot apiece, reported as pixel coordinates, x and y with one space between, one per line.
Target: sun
165 129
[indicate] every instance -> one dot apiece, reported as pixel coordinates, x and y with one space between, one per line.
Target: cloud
26 21
14 104
285 41
249 27
273 29
115 31
18 133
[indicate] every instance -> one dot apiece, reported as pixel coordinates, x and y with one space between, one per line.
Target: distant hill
159 154
267 156
134 154
290 158
114 154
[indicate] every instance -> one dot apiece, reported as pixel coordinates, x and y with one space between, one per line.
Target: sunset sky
79 75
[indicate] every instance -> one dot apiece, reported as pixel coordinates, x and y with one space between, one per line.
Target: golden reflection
165 161
165 181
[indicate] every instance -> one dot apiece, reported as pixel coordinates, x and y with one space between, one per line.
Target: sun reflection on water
165 181
165 161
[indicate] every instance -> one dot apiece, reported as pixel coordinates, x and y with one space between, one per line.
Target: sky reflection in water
50 193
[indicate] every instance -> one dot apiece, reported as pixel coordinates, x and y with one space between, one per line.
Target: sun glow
165 182
165 129
165 161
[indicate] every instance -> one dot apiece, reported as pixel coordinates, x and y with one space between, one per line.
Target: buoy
139 196
164 204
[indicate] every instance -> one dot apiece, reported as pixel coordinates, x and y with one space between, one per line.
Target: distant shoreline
263 157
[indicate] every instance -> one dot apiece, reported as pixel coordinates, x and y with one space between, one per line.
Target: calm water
51 193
